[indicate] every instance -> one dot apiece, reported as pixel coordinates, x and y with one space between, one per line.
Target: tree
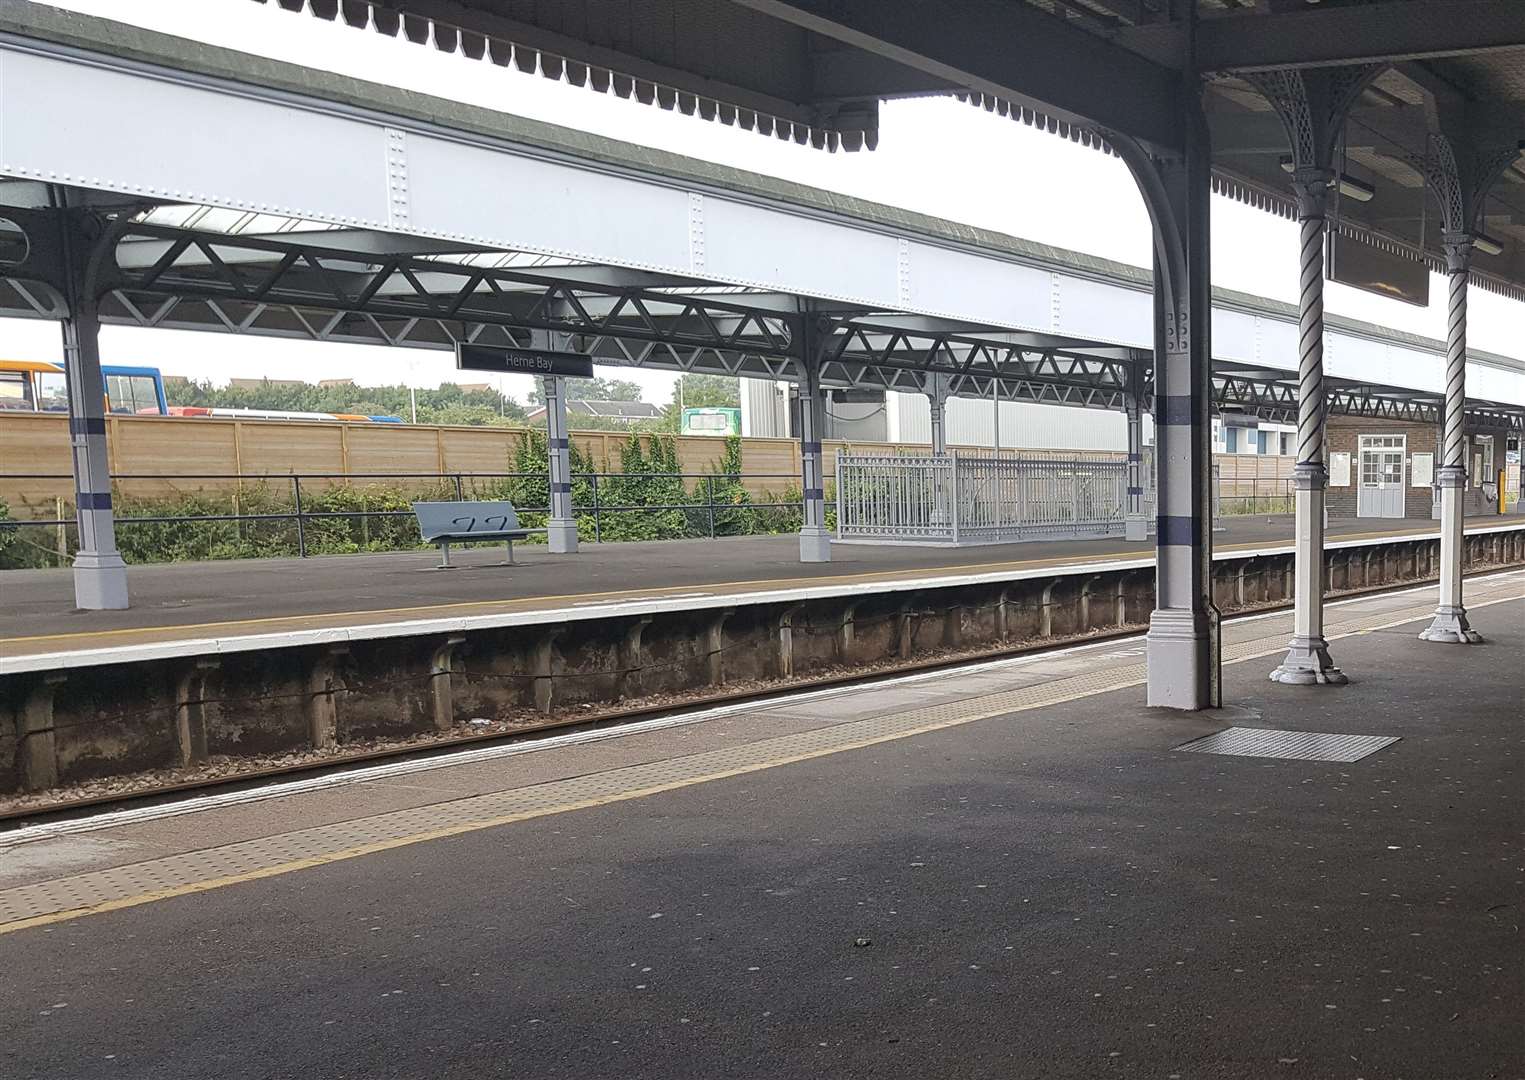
700 392
708 391
597 388
449 403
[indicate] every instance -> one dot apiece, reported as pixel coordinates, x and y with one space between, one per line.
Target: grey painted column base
1136 528
100 582
561 536
1180 660
1308 664
1451 627
815 544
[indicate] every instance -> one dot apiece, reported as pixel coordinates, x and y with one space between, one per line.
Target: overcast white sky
935 155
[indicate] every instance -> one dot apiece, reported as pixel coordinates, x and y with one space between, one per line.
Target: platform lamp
1487 244
1349 186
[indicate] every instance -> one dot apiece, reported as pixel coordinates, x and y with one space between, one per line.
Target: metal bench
446 523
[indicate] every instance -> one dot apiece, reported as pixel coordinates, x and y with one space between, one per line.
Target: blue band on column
1174 409
811 494
811 447
1135 491
87 425
1171 531
93 500
559 488
1135 457
559 444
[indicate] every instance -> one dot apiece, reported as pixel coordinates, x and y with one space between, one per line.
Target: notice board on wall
1339 470
1421 470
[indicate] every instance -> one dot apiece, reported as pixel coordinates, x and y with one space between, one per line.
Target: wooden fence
141 446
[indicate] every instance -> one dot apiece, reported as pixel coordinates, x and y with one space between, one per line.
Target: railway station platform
195 603
1008 870
240 666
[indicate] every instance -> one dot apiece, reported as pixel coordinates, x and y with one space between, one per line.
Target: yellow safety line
360 850
337 618
502 819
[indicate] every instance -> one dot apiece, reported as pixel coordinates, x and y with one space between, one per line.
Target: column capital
1308 475
1310 185
1451 476
1458 247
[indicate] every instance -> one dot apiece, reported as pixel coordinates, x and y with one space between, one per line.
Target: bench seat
446 523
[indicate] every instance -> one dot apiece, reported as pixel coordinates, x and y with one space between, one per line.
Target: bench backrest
464 518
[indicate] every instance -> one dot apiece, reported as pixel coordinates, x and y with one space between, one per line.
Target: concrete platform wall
67 726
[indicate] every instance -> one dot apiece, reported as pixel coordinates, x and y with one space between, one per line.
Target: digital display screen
1377 270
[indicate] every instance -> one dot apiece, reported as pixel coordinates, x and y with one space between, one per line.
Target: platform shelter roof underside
356 212
815 71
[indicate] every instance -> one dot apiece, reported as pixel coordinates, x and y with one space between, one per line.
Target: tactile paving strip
139 883
1295 745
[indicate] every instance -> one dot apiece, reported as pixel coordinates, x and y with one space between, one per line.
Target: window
1485 450
1286 444
13 391
1231 440
131 394
1382 460
1263 438
52 391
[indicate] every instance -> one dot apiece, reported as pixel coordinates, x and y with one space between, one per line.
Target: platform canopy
815 71
379 226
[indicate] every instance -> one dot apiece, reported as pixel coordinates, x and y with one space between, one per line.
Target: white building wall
764 408
1024 426
907 420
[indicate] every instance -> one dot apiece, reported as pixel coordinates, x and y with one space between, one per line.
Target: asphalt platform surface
1048 895
340 589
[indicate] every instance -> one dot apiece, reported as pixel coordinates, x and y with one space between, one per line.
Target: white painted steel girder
243 146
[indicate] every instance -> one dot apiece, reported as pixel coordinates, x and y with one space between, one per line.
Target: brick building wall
1343 436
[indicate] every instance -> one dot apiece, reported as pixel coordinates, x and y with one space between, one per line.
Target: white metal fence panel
979 499
894 498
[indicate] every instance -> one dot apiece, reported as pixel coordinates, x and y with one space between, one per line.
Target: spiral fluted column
1450 624
1307 661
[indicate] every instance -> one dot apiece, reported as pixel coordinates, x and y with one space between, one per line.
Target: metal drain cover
1298 745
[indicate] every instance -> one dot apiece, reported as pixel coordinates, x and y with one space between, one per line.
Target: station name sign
523 361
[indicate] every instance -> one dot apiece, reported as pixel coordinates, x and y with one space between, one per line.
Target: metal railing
1238 496
975 499
317 513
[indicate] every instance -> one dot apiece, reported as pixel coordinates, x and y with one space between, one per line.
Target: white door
1382 476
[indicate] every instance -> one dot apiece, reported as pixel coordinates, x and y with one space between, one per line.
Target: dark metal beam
847 74
1358 34
1380 127
1009 50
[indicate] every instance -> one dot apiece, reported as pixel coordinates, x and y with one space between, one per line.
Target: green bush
355 528
352 517
22 548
